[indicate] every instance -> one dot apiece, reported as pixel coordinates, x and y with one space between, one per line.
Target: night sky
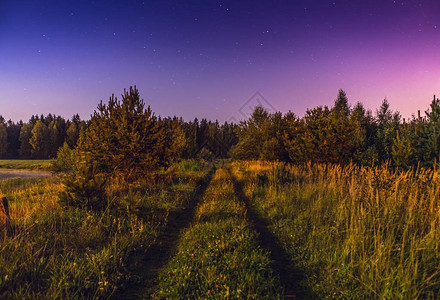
207 58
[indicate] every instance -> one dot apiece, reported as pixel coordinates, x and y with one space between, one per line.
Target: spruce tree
387 126
341 107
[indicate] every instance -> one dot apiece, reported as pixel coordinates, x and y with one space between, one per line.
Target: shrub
65 159
84 186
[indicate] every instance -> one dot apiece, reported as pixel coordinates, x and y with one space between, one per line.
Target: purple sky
207 58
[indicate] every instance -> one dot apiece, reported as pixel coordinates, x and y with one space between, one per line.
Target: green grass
67 252
357 233
34 164
219 256
8 186
360 233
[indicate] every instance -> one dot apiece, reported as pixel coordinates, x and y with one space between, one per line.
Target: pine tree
293 138
125 138
318 136
364 135
384 114
250 135
84 184
430 134
387 126
271 138
341 107
177 140
72 134
402 150
190 130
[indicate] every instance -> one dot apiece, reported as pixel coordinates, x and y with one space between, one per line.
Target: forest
341 203
338 134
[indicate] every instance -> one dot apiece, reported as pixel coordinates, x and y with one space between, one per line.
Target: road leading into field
10 174
290 276
219 256
146 265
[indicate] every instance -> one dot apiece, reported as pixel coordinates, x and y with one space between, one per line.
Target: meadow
356 232
218 256
243 229
26 164
59 252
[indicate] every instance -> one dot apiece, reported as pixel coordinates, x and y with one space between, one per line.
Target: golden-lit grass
218 257
69 252
358 232
32 200
28 164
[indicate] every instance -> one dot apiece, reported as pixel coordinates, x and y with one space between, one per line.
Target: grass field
20 164
254 230
358 233
59 253
218 256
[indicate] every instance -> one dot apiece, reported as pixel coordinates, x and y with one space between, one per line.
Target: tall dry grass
358 232
62 252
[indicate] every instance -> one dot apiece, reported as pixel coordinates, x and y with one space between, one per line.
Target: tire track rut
147 264
290 276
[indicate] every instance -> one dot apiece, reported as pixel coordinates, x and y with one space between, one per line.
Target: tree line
126 141
337 134
342 134
42 136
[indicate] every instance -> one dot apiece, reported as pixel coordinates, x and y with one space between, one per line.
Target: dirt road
8 174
